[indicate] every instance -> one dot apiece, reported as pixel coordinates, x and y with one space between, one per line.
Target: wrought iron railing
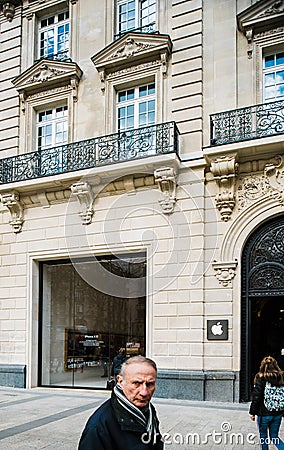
149 28
60 56
90 153
251 122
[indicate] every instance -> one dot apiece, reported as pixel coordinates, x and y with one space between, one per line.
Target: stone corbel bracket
225 271
274 174
12 201
165 178
224 170
85 196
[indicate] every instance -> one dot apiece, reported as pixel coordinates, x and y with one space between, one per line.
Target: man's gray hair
137 360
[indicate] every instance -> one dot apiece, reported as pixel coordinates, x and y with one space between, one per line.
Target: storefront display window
82 328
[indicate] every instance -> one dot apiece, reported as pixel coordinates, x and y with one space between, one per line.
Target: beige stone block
196 349
187 54
9 103
182 7
221 309
164 362
161 349
189 362
165 310
186 30
7 325
165 336
191 89
178 297
186 66
17 314
192 114
185 79
220 349
217 363
189 309
190 335
178 322
196 322
188 103
179 349
218 294
160 323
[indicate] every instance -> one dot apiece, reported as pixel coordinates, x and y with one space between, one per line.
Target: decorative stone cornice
12 201
260 17
165 178
83 192
133 49
224 170
225 271
47 75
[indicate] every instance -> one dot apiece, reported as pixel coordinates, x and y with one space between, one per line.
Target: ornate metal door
262 309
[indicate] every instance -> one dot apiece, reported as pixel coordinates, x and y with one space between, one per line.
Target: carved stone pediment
263 15
46 74
131 49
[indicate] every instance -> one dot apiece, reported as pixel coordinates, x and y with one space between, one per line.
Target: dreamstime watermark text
224 436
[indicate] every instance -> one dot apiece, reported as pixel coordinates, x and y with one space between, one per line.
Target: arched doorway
262 309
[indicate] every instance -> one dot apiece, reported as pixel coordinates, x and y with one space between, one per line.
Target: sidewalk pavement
54 419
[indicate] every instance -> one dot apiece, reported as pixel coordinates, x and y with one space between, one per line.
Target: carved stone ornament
8 8
224 170
269 183
44 73
47 74
84 193
225 272
165 178
274 174
12 201
130 50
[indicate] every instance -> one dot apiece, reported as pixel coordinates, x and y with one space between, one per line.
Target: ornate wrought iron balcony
90 153
149 28
247 123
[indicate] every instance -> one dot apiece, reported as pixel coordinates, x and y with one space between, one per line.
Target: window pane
269 61
269 79
280 58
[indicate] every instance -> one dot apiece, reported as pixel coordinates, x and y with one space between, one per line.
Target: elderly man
128 420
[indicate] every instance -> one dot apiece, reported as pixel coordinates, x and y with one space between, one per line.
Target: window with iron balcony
135 15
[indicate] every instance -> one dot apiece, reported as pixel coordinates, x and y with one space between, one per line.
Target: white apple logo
217 329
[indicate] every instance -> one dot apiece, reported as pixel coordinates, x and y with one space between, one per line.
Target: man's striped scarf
149 424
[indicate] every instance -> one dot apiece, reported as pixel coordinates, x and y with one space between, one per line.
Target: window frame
138 17
136 101
55 26
53 121
272 70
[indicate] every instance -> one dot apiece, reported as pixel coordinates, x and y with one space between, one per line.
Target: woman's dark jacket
257 407
111 427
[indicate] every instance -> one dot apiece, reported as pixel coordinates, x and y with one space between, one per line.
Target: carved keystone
224 170
225 271
12 201
165 178
84 194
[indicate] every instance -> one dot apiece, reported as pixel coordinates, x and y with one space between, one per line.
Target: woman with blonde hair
269 372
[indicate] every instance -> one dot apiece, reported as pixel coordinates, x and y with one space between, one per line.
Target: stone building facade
141 188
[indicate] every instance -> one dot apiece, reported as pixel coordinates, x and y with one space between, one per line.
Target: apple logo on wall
217 329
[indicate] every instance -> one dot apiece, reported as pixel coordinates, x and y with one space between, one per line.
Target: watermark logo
225 437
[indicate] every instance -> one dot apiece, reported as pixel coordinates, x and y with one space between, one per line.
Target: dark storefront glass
83 328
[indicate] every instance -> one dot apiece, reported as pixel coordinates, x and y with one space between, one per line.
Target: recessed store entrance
262 300
82 327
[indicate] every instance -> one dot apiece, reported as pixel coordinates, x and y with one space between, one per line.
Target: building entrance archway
262 308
